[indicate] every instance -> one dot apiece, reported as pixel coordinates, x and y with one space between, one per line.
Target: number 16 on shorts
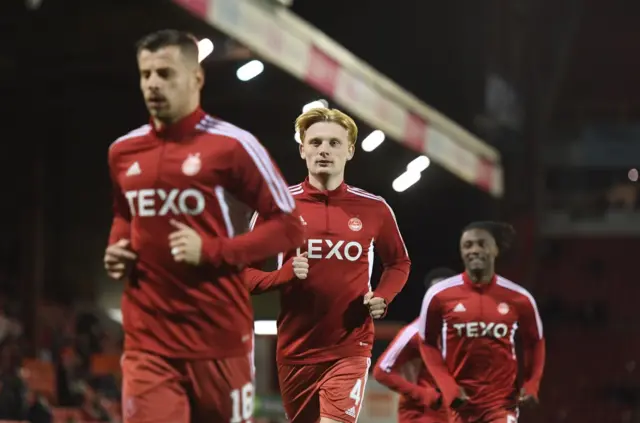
242 404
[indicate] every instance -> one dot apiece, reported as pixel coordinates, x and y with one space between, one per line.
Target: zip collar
180 129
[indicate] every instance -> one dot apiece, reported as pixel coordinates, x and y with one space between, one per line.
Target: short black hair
502 232
438 273
186 41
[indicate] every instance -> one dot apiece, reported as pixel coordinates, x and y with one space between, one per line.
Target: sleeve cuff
531 388
286 271
211 251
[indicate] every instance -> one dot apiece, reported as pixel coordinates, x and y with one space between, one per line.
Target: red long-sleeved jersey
479 324
323 317
186 172
401 369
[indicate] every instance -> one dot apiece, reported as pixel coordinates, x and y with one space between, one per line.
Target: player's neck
481 278
162 123
325 182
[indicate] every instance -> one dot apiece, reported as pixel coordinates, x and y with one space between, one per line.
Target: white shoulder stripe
361 191
365 194
138 132
253 221
428 297
506 283
397 345
277 186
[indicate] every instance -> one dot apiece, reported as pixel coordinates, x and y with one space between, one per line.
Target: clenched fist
185 244
301 266
377 306
118 259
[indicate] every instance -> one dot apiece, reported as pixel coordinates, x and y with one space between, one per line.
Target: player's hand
526 399
301 266
377 306
118 259
185 244
460 400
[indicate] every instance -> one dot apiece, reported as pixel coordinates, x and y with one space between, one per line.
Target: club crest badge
355 224
503 308
192 164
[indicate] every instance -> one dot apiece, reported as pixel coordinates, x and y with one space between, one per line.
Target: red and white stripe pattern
365 194
257 152
426 302
314 58
401 341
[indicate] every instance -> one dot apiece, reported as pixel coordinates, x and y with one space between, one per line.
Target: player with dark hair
401 369
327 302
187 314
478 313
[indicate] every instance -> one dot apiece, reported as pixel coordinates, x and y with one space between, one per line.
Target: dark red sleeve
121 224
394 256
256 181
388 369
533 344
430 325
259 281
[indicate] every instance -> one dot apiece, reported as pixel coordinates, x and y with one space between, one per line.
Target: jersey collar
323 194
181 128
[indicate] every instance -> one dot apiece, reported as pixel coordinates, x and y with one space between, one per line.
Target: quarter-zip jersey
323 317
188 172
478 325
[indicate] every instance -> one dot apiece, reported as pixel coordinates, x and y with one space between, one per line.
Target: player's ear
200 77
351 151
301 148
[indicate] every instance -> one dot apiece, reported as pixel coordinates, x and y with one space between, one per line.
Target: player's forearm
120 229
283 232
534 358
259 281
432 357
397 383
393 279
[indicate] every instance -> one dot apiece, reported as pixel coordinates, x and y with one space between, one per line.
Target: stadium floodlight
419 164
373 140
317 104
205 48
297 137
405 180
250 70
265 327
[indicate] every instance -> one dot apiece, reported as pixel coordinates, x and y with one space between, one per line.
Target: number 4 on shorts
356 392
512 419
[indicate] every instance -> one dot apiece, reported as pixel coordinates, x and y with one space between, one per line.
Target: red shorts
496 416
159 390
333 389
423 416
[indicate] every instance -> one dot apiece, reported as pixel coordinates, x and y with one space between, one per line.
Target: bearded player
325 327
187 315
401 369
478 314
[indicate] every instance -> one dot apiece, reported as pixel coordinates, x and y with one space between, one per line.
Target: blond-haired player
325 327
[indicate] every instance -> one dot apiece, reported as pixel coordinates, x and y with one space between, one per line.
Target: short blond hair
322 114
